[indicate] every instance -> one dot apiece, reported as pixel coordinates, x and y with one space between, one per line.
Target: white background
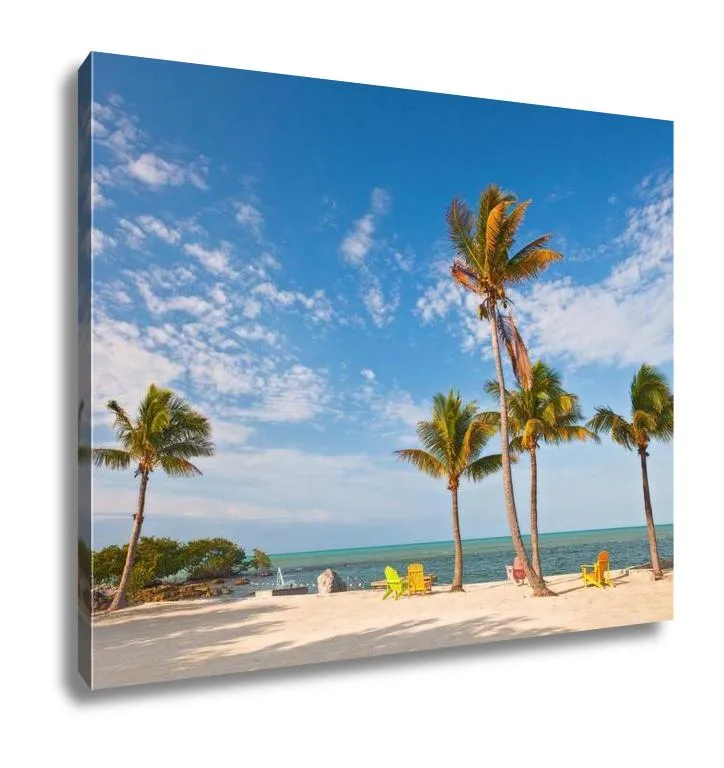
631 697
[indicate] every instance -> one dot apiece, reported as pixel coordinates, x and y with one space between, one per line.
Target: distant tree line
160 558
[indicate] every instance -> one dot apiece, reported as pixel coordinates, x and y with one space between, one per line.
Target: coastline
157 642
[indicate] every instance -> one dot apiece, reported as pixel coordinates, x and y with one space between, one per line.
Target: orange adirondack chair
598 574
417 582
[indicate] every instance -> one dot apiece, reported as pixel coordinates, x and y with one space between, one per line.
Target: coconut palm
484 265
542 412
652 418
165 434
453 439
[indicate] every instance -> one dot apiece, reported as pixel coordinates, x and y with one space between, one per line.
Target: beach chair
598 574
395 585
516 572
417 582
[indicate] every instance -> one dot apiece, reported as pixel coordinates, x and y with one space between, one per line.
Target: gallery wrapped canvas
363 371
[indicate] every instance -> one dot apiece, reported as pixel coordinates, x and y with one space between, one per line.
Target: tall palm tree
652 418
544 411
166 433
485 266
453 439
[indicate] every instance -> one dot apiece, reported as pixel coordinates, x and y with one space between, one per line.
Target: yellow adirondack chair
598 574
418 583
395 585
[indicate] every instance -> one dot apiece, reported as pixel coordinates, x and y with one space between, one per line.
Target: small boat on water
283 587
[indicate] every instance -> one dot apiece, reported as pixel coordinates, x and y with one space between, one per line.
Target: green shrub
260 560
213 559
108 564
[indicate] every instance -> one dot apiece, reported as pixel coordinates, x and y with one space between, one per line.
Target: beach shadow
186 635
388 658
225 654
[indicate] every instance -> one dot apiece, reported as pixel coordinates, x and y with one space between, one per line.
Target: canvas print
363 371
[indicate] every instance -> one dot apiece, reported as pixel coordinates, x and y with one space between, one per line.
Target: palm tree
453 439
483 265
652 418
165 434
544 411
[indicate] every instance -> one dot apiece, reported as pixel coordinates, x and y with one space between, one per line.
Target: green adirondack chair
395 585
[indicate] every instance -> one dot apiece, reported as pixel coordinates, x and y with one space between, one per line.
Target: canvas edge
84 274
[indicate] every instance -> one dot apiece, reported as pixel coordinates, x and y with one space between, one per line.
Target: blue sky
274 249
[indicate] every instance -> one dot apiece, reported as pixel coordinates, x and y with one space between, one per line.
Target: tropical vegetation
542 411
487 264
165 434
160 559
453 440
652 418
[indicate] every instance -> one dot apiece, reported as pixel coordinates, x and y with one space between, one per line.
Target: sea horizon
492 539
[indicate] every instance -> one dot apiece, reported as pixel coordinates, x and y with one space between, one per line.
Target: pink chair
516 572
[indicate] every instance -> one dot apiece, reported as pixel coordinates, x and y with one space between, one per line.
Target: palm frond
188 448
465 277
606 421
517 351
569 434
111 458
530 265
176 466
511 226
121 420
460 230
493 230
423 461
484 467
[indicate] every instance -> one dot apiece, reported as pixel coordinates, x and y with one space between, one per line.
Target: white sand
168 641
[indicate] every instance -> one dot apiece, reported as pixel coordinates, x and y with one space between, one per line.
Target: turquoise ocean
483 559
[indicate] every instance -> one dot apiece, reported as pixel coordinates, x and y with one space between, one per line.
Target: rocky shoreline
103 594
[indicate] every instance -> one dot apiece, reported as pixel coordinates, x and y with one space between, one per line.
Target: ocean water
483 559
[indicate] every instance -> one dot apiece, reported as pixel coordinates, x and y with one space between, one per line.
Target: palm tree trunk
534 546
539 587
119 601
457 585
651 530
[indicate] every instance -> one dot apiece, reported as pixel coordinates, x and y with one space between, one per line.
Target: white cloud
250 308
401 407
439 299
626 318
357 244
192 305
101 242
368 374
122 367
218 296
404 261
358 241
230 434
131 233
317 305
381 310
155 171
612 200
155 226
118 131
380 201
298 394
257 332
250 217
215 260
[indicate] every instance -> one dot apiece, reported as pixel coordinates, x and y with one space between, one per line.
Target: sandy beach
165 641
